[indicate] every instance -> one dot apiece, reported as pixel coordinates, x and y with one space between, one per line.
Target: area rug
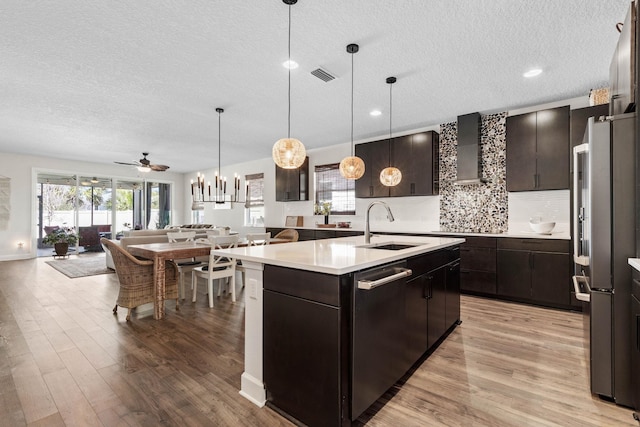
81 266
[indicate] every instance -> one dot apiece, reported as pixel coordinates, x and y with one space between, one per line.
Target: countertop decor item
352 167
390 176
326 225
289 153
541 227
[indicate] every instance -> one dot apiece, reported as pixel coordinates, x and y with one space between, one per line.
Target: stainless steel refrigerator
604 238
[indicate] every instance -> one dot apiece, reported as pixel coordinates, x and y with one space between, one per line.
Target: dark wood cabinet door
551 278
416 326
478 281
401 157
301 358
635 352
521 152
417 157
306 235
552 147
437 304
376 157
292 184
514 274
452 314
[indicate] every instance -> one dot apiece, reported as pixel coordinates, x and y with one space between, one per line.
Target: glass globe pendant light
289 153
390 176
352 167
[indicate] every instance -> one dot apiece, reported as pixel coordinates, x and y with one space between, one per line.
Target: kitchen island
331 324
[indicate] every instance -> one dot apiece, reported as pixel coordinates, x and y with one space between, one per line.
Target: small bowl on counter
344 224
541 227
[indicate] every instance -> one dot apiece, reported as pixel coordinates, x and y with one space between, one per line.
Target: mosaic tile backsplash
475 208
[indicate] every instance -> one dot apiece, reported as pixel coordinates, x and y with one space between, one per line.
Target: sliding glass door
99 207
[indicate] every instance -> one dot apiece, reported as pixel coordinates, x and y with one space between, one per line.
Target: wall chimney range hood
469 166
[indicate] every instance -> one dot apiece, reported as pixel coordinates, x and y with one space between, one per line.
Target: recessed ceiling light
375 112
533 72
290 64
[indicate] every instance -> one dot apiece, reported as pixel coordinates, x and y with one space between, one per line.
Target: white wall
22 170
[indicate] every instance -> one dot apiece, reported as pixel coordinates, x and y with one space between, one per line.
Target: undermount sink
389 246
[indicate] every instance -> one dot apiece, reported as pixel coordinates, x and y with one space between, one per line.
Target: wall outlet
252 288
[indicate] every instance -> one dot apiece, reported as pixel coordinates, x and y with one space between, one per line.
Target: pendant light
391 176
289 153
352 167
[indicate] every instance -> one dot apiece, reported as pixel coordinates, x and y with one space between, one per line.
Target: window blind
255 189
332 187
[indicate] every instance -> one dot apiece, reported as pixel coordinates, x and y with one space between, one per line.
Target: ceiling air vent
323 75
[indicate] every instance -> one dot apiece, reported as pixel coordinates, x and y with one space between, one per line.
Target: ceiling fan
144 165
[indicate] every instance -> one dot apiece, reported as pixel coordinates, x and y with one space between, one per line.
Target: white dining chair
253 239
184 265
219 267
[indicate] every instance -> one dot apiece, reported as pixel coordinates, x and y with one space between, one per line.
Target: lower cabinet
311 234
478 265
535 270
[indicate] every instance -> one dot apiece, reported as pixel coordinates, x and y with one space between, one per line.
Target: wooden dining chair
288 234
188 264
219 267
136 279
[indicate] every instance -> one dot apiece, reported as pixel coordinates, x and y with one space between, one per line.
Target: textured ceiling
106 80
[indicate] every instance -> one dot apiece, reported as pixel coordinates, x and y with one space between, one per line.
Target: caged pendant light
352 167
390 176
289 153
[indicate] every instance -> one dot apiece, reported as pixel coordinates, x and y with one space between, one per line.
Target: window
332 187
254 206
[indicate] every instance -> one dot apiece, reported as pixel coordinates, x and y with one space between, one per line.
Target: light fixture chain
219 145
289 69
352 104
390 116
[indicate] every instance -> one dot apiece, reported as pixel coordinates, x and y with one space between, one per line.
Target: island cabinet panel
538 150
535 270
306 345
292 184
332 349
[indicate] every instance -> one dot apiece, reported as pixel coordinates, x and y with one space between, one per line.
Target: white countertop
523 234
635 263
340 255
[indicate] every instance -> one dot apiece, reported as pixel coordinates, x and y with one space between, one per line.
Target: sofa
140 237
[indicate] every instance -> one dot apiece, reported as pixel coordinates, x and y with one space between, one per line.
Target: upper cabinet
292 185
622 72
417 157
538 150
376 157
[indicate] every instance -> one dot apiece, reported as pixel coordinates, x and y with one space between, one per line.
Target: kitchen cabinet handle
534 181
531 260
430 287
413 188
371 284
637 332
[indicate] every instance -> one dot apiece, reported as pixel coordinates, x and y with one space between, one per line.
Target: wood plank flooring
65 360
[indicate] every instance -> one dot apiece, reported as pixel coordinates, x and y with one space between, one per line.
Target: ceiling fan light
288 153
390 177
352 167
144 169
95 180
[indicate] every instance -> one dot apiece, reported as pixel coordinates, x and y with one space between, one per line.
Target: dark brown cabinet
376 157
538 150
478 265
535 270
292 184
417 157
635 352
310 234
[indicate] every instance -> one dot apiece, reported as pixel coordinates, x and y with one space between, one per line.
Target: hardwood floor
66 360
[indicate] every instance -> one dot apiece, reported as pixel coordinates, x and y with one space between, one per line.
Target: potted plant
61 238
323 208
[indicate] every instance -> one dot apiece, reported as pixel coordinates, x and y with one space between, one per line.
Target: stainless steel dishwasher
378 333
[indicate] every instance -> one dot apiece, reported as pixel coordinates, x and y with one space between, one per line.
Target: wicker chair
136 279
289 234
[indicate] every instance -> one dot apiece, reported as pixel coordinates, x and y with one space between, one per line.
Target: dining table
162 252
